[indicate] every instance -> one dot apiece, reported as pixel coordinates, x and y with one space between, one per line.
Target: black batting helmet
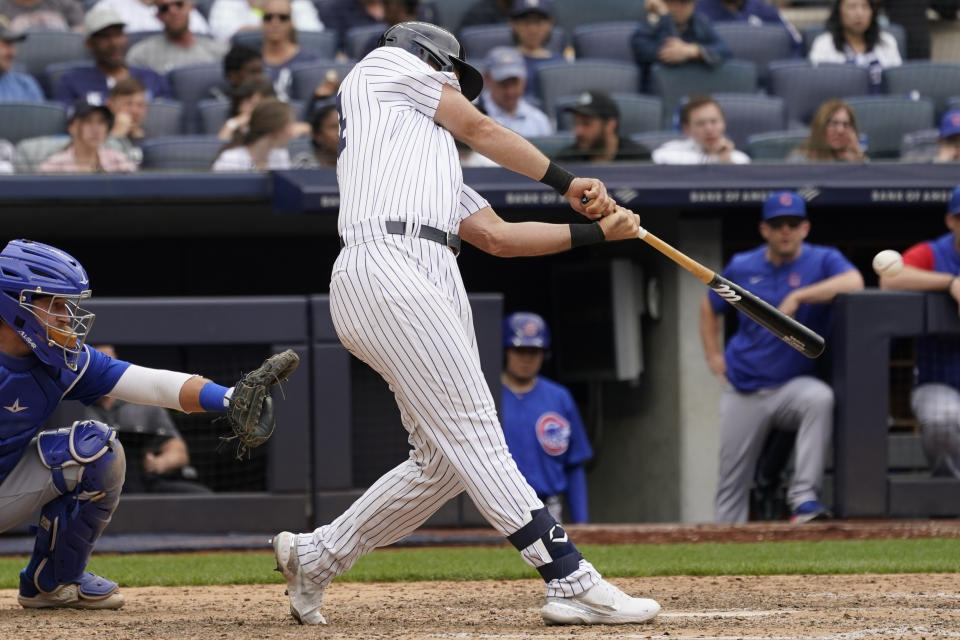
434 44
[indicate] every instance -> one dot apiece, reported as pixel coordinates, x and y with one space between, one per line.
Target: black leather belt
447 239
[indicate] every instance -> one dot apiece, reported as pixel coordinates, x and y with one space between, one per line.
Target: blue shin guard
549 536
72 523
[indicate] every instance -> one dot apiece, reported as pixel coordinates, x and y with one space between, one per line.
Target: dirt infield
777 607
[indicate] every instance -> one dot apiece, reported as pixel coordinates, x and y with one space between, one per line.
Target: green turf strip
391 565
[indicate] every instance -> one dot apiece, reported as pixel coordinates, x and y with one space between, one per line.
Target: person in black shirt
596 124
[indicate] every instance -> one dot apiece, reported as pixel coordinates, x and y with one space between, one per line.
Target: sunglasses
282 17
163 8
791 222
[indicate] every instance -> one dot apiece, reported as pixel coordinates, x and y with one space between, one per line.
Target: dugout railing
867 322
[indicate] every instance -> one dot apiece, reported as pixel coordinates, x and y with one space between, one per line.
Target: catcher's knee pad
549 538
72 523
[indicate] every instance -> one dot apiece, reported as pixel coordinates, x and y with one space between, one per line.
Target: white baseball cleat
306 597
601 604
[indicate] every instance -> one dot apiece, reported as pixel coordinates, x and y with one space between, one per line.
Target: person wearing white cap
144 15
41 15
107 43
505 82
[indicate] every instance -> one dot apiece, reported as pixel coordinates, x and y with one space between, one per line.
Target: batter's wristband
557 178
584 234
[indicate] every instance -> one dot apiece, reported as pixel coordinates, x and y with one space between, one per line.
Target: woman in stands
854 36
833 136
280 48
243 100
264 146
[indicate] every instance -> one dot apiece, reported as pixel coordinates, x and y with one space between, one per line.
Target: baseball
887 263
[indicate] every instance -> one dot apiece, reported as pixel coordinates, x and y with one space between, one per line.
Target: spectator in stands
505 82
41 15
149 436
764 378
228 17
107 43
280 48
596 127
15 86
948 144
239 65
754 12
343 15
487 12
706 139
834 136
177 46
324 138
6 156
264 147
853 36
680 36
88 124
243 100
541 422
933 266
143 15
128 104
532 25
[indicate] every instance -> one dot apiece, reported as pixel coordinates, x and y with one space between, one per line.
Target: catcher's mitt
250 412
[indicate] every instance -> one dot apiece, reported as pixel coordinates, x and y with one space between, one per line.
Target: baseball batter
541 422
767 382
73 474
398 304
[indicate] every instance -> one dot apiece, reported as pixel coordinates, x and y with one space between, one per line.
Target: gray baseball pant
937 408
804 404
30 486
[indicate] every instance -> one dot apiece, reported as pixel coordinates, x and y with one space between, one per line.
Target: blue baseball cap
953 207
784 203
523 7
950 124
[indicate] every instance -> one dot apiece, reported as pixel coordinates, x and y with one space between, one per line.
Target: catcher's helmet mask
435 45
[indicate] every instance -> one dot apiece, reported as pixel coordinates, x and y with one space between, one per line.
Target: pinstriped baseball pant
399 305
937 408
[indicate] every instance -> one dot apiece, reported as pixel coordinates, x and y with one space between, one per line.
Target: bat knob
584 200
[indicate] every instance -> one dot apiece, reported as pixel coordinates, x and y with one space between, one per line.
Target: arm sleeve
154 387
395 76
714 50
470 203
577 494
646 42
920 256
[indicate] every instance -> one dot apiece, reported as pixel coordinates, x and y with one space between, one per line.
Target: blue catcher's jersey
30 390
545 435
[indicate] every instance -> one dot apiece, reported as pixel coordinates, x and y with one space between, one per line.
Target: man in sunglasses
177 46
768 384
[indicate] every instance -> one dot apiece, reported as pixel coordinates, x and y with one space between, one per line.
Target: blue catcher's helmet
40 292
435 44
525 329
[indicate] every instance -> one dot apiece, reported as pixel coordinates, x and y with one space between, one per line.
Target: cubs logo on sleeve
553 433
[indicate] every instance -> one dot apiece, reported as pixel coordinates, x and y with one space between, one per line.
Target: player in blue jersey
935 266
768 383
73 474
540 420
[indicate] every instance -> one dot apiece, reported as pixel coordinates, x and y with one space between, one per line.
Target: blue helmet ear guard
40 292
525 329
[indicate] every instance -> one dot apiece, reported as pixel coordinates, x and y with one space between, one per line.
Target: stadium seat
478 40
359 41
673 84
810 33
570 79
638 113
775 145
759 44
43 48
164 118
885 120
749 113
919 146
606 40
213 113
570 14
551 145
52 74
805 87
194 153
933 80
190 85
322 43
653 139
19 120
308 75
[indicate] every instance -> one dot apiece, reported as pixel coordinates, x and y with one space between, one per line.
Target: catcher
73 474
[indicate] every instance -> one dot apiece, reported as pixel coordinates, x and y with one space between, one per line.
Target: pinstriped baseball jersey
398 303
